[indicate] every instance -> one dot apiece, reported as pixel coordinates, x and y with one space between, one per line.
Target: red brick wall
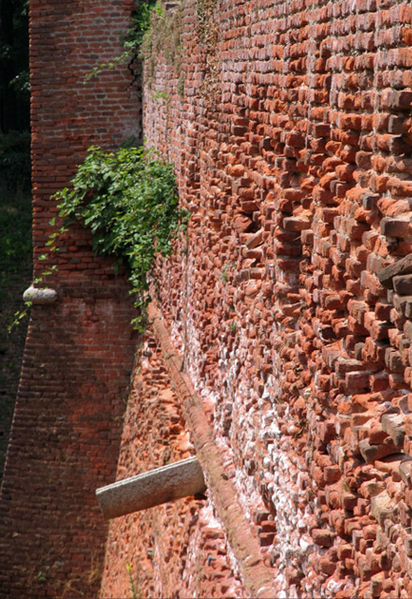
291 141
289 126
65 442
79 351
69 111
178 549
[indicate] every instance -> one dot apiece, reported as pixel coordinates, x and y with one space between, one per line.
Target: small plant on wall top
129 201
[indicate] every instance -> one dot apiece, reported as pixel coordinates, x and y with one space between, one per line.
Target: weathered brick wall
65 442
289 125
79 351
177 549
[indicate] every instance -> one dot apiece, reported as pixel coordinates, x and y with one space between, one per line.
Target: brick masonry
79 351
288 306
289 125
177 549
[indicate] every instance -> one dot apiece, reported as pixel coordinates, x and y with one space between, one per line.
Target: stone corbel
152 488
40 296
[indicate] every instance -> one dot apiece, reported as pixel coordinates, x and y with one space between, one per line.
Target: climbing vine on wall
141 19
129 201
163 36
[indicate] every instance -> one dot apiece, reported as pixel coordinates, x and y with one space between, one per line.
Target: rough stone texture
40 296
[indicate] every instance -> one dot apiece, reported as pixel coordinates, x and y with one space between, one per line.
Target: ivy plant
129 201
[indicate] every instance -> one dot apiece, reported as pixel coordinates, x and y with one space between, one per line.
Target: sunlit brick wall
289 125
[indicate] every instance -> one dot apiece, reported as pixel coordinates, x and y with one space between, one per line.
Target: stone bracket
40 296
151 488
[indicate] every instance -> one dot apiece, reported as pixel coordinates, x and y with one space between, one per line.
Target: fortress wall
65 443
79 351
71 111
289 125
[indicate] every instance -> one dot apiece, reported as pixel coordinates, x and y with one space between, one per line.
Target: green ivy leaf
129 201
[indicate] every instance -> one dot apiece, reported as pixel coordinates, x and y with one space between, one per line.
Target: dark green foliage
15 230
14 69
15 160
141 21
163 36
129 201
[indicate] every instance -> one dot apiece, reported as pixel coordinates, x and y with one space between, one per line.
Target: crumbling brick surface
177 549
289 126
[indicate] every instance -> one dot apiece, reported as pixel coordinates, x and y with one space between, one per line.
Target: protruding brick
323 537
382 507
403 284
392 227
370 452
400 267
393 425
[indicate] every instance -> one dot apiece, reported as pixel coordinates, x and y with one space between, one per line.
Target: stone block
396 227
382 507
401 302
357 381
40 296
393 360
152 488
343 365
323 537
370 452
393 425
295 223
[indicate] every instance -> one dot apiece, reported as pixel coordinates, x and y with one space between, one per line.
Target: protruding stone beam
40 296
155 487
257 574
